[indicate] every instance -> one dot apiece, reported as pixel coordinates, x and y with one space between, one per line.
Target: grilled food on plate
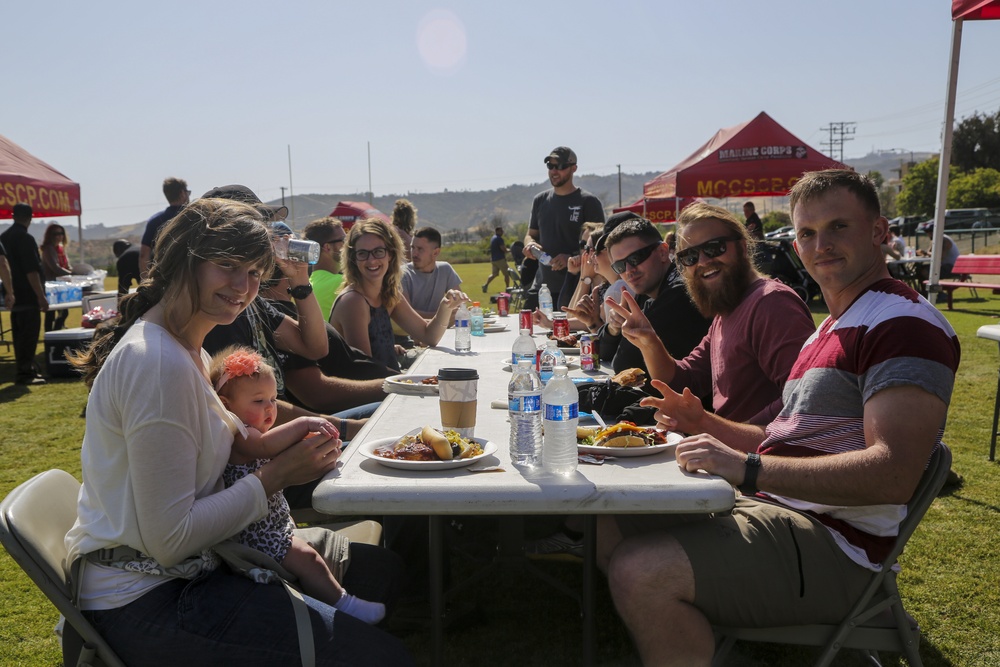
622 434
431 445
630 377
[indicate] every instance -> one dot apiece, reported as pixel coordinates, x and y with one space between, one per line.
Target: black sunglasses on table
635 259
712 248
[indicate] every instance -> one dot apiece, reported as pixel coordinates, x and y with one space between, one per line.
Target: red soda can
526 322
502 302
560 325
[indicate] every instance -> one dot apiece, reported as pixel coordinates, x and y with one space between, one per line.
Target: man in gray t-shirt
557 216
425 280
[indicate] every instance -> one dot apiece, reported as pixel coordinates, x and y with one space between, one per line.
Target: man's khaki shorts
763 565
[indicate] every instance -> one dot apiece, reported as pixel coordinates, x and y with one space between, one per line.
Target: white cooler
57 343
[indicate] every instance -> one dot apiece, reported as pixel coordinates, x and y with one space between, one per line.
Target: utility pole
619 186
283 188
370 195
839 133
291 187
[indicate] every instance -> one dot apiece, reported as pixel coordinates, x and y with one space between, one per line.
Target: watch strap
749 485
301 292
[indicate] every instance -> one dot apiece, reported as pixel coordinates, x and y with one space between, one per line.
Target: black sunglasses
635 259
712 249
560 166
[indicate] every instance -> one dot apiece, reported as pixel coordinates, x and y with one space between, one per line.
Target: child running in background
248 389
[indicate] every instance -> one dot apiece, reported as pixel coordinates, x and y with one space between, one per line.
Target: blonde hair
391 291
404 215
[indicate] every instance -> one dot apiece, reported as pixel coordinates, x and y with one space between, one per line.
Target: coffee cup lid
457 374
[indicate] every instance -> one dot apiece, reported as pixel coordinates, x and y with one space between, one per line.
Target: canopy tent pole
79 236
944 166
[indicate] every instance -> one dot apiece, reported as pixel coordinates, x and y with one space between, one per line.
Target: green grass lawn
951 568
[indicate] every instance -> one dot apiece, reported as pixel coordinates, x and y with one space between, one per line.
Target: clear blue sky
462 95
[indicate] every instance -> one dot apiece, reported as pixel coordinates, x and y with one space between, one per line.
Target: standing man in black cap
556 218
29 293
127 265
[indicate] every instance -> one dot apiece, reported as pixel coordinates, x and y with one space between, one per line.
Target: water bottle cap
525 332
475 304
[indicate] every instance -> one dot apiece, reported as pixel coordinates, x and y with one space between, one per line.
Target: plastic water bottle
545 301
544 258
524 348
560 410
477 319
524 404
463 339
551 357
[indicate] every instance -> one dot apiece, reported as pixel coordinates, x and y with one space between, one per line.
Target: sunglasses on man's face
560 166
712 248
635 259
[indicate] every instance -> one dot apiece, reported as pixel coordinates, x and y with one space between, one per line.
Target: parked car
781 233
907 224
965 218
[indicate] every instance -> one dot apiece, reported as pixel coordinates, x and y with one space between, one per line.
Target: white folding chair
877 621
34 520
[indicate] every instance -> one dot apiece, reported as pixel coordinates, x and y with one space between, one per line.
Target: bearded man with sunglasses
758 327
641 258
556 218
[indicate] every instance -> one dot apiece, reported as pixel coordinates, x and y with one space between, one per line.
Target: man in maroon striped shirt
825 484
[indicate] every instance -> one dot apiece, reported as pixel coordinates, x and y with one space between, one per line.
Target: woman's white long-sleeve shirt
156 442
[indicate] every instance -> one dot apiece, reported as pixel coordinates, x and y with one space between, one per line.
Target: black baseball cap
610 224
242 193
562 155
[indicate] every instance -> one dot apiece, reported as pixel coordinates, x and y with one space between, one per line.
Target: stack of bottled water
524 348
524 403
463 338
545 301
560 409
551 357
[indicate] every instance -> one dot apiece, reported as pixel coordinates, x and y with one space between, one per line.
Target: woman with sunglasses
371 297
55 264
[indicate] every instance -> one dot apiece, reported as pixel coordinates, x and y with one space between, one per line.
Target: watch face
300 292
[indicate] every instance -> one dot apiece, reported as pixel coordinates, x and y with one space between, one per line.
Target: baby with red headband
247 388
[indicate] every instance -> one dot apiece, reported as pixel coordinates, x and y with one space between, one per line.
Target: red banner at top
975 10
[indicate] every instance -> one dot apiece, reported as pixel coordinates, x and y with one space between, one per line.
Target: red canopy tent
752 159
24 179
348 212
961 11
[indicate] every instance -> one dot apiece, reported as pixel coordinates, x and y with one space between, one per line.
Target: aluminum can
502 302
526 322
560 325
595 353
586 353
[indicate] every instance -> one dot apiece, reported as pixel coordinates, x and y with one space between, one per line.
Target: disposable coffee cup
457 390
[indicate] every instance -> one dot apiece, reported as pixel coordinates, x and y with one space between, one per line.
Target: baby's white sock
369 612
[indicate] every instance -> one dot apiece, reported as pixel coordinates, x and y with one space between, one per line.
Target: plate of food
568 344
424 385
427 449
625 439
494 328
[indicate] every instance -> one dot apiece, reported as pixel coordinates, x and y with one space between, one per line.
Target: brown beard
736 279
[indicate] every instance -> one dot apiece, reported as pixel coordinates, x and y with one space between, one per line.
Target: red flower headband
241 363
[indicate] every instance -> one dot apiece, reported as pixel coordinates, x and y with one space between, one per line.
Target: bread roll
437 442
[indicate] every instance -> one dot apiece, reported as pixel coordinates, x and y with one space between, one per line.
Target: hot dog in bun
622 434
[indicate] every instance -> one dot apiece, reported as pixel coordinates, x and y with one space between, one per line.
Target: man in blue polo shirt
178 195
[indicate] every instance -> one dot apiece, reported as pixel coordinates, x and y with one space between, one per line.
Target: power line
839 133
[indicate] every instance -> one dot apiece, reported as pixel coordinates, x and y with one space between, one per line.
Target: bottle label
461 323
562 413
525 403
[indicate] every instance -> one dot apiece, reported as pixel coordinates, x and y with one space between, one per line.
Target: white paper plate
668 446
494 328
409 384
368 450
570 364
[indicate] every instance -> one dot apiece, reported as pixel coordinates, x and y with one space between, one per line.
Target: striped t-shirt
890 336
